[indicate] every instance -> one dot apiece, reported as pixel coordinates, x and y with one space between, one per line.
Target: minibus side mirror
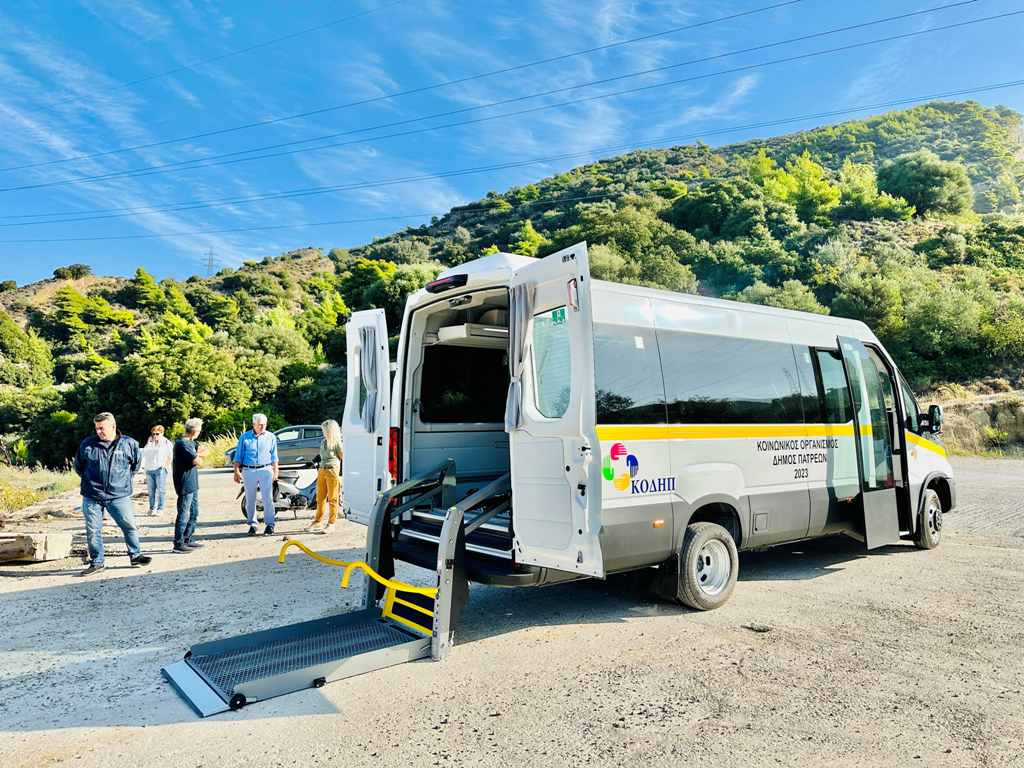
935 418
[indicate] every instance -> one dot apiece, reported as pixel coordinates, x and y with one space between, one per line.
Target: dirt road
898 657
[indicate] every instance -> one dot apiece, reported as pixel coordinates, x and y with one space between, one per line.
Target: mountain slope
859 219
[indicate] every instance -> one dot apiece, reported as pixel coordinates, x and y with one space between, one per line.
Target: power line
420 89
482 206
223 159
191 66
112 213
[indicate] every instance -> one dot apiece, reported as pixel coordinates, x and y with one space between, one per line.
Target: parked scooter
287 495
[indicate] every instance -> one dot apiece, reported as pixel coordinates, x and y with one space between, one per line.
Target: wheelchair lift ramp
228 674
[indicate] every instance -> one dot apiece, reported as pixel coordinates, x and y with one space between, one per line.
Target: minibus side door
874 446
367 418
550 415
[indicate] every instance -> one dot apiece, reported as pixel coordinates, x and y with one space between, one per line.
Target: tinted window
838 409
628 373
812 405
288 434
910 407
552 363
717 379
315 432
463 385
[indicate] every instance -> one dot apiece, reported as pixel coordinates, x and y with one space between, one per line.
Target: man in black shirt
185 473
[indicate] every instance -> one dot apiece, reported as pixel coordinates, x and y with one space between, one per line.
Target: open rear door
367 420
550 415
874 445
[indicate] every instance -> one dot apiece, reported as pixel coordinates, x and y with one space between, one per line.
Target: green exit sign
558 316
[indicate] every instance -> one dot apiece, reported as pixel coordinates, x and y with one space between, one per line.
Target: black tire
929 522
237 702
708 567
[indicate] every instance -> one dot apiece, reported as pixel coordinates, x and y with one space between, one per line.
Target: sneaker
141 560
181 550
193 545
313 528
91 570
329 528
152 512
252 530
268 531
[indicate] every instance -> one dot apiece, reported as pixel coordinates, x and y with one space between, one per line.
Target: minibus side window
712 379
552 363
628 375
910 406
812 404
838 408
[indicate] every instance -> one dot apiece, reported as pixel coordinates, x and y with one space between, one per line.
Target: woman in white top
156 460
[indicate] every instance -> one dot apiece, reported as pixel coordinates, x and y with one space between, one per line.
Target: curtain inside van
520 312
368 373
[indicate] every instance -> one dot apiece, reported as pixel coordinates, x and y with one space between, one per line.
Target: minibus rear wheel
708 566
929 524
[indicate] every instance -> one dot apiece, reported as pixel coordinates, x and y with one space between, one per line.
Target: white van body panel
645 481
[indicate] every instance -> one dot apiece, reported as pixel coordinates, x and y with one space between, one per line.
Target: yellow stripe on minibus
720 431
923 442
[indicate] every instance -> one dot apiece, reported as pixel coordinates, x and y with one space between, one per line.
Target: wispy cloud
139 19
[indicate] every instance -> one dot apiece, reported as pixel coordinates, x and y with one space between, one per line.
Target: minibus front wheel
708 566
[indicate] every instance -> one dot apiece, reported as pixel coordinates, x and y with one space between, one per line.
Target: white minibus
587 428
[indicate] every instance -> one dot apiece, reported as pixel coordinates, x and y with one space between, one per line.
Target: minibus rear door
550 415
367 418
874 445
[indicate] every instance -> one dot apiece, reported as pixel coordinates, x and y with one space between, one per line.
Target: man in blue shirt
256 466
106 462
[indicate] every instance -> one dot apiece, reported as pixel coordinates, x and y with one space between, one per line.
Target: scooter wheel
237 701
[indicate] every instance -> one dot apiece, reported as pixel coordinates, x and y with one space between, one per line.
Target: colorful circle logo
611 461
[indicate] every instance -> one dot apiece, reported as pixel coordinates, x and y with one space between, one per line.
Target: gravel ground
897 657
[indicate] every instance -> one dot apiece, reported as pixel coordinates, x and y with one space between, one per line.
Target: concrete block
34 547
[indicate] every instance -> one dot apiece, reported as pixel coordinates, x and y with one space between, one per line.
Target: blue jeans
185 522
120 510
156 480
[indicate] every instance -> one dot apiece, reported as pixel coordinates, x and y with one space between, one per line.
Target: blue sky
63 65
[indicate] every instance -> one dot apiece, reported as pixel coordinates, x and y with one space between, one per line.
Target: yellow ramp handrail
348 567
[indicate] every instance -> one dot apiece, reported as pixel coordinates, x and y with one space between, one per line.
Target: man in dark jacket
185 473
106 462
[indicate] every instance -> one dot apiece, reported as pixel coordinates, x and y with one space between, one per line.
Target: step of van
480 542
481 569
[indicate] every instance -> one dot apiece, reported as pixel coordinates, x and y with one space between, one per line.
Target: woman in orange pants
328 479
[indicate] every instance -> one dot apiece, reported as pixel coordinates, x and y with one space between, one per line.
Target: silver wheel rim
712 567
933 519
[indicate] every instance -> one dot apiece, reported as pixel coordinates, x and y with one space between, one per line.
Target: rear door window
552 363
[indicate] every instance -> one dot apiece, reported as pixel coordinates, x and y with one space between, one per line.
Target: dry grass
21 486
215 448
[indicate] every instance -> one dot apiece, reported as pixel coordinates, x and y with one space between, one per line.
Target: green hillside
907 220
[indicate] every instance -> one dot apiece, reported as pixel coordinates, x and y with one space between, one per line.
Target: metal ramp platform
402 622
228 674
